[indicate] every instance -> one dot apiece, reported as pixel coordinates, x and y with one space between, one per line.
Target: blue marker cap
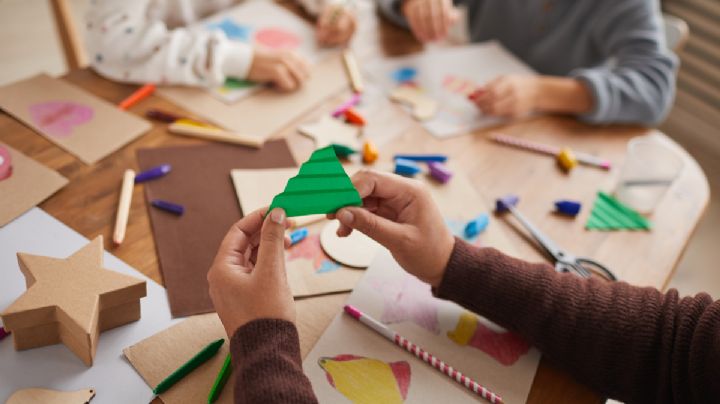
168 206
426 158
501 205
570 208
153 173
406 167
477 225
298 235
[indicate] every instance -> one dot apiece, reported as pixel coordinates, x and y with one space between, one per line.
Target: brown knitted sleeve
267 364
629 343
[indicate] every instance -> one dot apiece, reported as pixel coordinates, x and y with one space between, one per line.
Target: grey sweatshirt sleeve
638 85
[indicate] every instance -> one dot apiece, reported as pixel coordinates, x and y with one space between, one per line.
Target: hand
284 69
430 20
336 25
400 214
511 96
247 279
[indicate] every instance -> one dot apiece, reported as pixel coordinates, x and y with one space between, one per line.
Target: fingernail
277 216
345 216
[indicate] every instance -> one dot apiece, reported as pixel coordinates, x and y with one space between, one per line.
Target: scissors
564 261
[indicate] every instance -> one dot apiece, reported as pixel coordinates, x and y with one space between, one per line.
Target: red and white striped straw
425 356
583 158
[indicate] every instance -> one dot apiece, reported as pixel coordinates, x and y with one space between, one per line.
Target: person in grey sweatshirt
604 61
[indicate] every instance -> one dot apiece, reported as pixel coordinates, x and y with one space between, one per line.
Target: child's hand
336 25
511 96
430 20
286 70
247 279
400 214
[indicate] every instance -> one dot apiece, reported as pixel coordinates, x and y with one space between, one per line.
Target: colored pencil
220 380
352 70
139 95
583 158
220 135
425 356
201 357
123 211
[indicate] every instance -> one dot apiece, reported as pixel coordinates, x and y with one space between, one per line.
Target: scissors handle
595 267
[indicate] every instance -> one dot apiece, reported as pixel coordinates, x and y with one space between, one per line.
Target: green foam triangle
321 186
610 214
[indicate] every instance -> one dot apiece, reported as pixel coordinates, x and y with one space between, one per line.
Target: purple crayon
501 205
151 174
440 171
168 206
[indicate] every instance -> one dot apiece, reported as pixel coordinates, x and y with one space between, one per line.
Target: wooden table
88 202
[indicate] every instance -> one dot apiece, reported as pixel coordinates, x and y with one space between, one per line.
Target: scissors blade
545 242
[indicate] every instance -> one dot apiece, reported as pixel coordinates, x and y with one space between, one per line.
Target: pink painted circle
5 163
277 38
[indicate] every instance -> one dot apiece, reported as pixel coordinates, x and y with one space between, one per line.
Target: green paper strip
610 214
321 186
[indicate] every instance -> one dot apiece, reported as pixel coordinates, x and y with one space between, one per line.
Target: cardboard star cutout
71 301
329 130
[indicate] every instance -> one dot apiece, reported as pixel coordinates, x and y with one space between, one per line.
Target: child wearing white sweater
146 41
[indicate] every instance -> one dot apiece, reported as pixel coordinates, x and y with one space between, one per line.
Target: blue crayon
406 167
298 235
477 225
570 208
426 158
151 174
168 206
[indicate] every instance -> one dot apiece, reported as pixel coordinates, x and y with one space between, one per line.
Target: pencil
215 134
139 95
352 70
583 158
124 206
220 380
201 357
425 356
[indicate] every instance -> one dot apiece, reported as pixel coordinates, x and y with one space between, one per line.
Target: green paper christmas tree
610 214
321 186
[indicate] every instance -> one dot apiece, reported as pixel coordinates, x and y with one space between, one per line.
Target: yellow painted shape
465 328
364 380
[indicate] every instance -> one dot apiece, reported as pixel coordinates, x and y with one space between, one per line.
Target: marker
139 95
123 211
582 158
425 158
220 380
151 174
440 171
201 357
423 355
168 206
351 68
477 225
340 110
298 235
407 168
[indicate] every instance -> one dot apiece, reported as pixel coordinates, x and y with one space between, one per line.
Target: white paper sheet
55 367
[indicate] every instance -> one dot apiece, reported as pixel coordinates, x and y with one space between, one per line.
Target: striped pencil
583 158
426 357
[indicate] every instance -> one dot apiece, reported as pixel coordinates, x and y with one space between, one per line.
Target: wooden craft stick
423 355
139 95
124 206
215 134
201 357
353 72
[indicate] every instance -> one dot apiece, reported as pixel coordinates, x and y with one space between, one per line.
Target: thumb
271 258
378 228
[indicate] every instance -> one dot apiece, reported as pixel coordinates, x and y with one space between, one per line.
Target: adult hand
509 96
430 20
336 25
247 279
399 213
286 70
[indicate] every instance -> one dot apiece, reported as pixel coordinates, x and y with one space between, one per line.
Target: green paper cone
610 214
321 186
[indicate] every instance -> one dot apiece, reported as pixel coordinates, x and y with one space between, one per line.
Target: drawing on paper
232 29
5 163
277 38
459 85
504 346
59 118
367 380
410 299
311 250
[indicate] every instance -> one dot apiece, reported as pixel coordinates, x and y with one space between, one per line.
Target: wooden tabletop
88 202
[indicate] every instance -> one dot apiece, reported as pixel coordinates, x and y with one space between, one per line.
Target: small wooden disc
356 250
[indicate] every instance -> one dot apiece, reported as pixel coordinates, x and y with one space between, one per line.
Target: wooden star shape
71 301
329 130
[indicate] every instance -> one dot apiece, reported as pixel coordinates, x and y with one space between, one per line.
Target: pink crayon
425 356
340 110
583 158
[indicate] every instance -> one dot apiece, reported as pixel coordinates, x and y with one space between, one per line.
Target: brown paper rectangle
29 184
84 125
200 181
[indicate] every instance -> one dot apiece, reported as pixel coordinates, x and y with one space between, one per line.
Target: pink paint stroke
59 118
